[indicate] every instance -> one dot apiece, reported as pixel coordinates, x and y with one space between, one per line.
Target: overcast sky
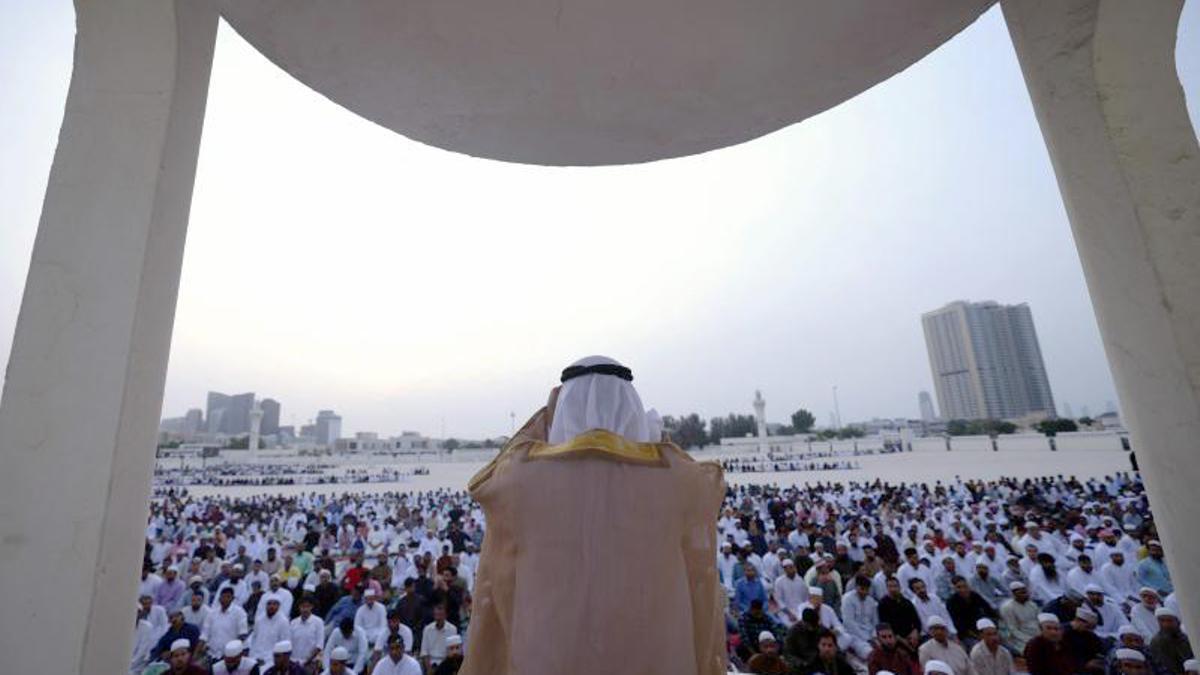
333 264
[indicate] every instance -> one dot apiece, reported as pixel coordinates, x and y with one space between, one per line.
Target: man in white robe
269 629
790 592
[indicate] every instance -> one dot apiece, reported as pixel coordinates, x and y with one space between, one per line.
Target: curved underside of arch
587 82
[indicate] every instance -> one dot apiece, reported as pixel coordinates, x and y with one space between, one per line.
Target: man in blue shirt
177 630
345 608
749 588
1152 570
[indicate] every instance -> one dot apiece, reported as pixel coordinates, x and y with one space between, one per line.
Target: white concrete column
84 387
1102 77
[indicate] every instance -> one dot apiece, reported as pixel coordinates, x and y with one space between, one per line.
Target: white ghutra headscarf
599 401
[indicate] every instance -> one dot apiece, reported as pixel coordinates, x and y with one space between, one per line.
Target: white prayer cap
238 567
598 400
1146 589
935 666
766 636
1085 614
339 654
196 579
453 641
181 643
311 588
1154 542
1093 588
788 562
173 568
1016 586
984 624
1046 617
935 621
234 648
817 591
1127 630
370 593
1165 611
1125 654
1191 666
283 647
884 672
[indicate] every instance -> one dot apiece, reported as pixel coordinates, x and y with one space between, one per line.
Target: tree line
989 427
691 431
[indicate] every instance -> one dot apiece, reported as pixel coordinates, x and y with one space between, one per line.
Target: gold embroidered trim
604 443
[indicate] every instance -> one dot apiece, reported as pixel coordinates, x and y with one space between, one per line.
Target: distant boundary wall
1074 440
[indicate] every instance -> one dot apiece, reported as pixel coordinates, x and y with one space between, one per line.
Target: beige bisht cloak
599 558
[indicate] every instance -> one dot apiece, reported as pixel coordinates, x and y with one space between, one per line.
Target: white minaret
256 415
760 414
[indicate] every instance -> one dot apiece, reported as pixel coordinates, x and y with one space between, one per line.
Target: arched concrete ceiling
589 82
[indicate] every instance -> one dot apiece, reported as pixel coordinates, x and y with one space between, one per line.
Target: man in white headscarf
601 540
596 395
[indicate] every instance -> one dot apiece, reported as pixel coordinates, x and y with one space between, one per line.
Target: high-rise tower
986 361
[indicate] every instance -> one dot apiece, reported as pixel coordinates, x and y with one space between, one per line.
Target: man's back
632 522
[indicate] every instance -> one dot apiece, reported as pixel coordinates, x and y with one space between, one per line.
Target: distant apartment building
183 427
986 362
229 414
328 428
270 420
193 421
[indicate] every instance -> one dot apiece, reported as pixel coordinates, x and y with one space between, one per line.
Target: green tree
803 421
732 426
958 427
687 431
850 432
986 427
1055 426
841 434
451 444
1086 421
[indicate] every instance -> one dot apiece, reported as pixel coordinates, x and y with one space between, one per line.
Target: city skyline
308 426
414 288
